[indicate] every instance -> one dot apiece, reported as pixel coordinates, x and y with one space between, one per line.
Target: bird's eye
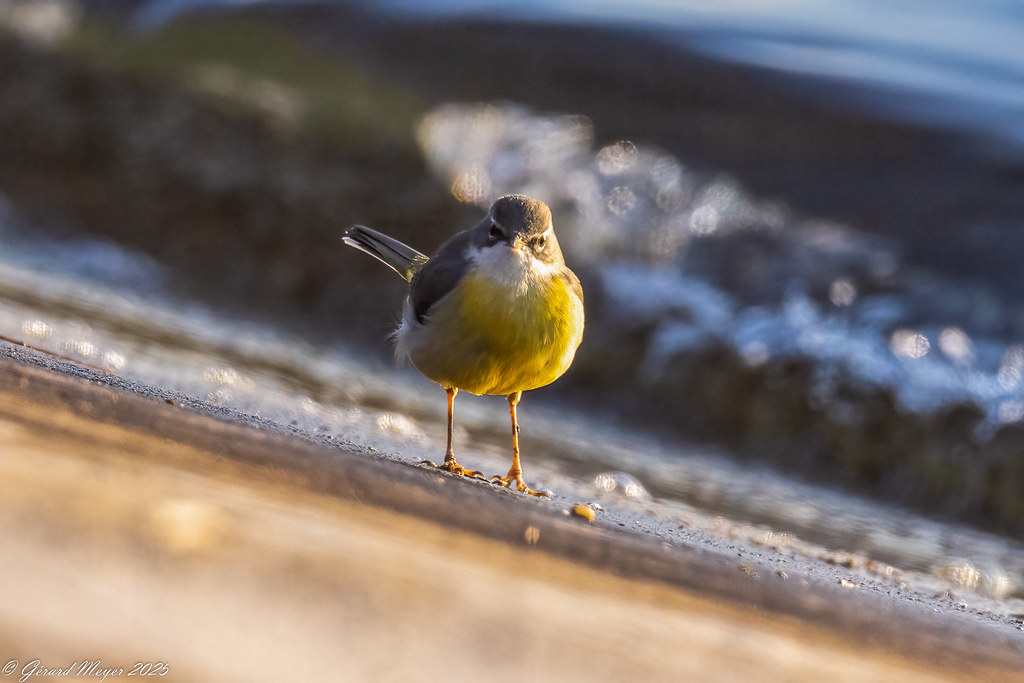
495 235
540 242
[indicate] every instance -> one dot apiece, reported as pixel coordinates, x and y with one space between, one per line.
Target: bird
494 311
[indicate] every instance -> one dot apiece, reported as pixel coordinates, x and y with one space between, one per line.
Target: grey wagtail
494 311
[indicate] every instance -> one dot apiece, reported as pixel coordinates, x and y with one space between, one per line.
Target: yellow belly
486 339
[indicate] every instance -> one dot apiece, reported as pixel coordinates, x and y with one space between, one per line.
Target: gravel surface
858 600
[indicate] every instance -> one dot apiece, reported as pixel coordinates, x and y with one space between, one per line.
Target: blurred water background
798 225
944 62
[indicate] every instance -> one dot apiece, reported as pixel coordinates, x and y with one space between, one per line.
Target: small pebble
584 511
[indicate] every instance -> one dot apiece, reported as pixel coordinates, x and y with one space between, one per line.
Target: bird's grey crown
517 214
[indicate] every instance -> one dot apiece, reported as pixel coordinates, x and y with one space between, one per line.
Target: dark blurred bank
769 263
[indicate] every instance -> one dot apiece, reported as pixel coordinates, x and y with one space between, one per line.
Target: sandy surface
142 526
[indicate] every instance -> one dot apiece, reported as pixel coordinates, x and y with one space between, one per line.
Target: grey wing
440 274
574 283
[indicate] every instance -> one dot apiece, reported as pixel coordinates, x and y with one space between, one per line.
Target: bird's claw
506 482
450 465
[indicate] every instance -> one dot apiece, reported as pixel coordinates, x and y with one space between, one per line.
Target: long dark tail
401 258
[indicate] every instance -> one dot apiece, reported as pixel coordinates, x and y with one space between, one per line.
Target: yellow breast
489 338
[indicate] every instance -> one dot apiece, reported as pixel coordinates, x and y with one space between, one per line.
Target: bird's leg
516 472
449 464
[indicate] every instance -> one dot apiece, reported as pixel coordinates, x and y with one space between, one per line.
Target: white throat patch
515 269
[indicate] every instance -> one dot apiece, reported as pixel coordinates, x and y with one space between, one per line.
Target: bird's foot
450 465
521 486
